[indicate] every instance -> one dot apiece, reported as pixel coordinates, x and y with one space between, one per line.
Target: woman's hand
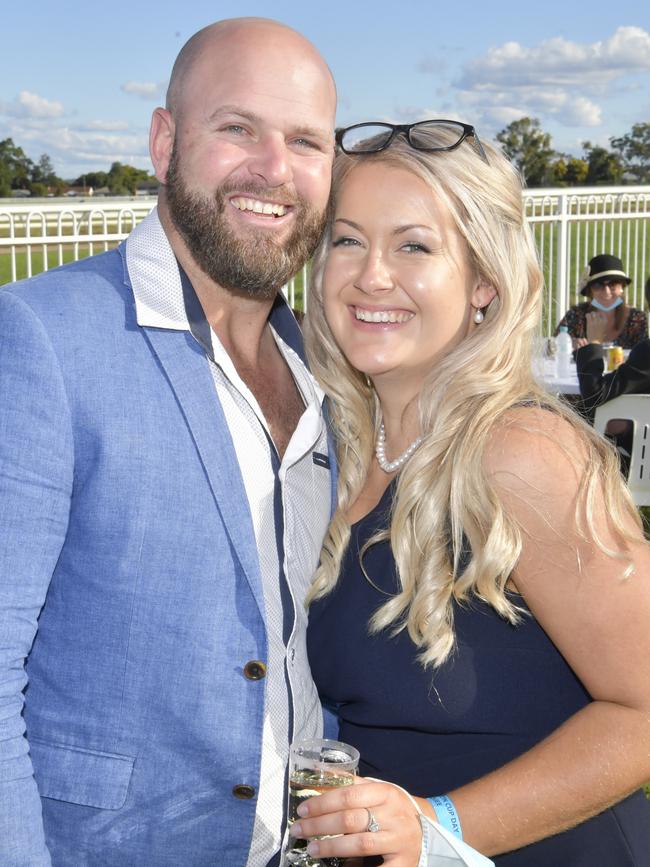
596 327
350 811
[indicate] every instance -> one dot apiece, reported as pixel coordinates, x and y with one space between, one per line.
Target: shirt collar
158 292
154 276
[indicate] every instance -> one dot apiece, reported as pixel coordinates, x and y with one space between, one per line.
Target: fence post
562 266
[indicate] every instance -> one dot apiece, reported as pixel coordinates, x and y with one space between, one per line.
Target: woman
480 617
631 377
603 282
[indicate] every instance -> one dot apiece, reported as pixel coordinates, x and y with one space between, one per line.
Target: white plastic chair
636 408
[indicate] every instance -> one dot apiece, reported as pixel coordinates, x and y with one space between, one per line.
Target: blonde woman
480 618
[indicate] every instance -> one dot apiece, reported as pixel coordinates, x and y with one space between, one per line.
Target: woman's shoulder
637 315
578 311
532 446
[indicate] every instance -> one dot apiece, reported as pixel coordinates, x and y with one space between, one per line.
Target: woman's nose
375 275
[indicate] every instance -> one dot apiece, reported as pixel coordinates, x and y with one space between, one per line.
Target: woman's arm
599 622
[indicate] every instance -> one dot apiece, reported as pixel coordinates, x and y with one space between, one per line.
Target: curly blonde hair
442 496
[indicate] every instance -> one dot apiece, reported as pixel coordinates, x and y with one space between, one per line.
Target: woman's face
607 291
398 290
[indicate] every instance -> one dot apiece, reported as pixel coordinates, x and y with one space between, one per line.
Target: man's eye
234 128
307 143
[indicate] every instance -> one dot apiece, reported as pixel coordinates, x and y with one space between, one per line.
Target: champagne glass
315 766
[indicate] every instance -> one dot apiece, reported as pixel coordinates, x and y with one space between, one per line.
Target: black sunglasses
371 137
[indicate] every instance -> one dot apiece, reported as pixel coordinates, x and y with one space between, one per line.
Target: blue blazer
130 594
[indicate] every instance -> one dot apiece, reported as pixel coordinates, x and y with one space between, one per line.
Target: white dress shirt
291 701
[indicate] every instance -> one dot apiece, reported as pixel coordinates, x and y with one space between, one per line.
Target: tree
96 180
15 168
568 171
576 171
634 152
530 150
123 180
43 171
44 179
604 167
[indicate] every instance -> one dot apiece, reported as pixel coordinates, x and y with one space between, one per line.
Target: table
552 382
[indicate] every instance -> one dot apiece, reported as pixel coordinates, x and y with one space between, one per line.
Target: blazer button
244 793
255 670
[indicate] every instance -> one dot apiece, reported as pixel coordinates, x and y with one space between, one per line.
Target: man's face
255 262
248 177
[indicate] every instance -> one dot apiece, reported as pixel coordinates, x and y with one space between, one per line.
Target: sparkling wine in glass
315 766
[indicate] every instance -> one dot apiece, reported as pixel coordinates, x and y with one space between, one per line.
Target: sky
79 80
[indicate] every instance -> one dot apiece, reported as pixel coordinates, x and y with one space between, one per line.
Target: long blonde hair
442 496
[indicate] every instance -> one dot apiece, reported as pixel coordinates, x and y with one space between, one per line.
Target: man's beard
256 266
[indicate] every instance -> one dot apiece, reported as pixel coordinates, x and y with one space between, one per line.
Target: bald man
165 483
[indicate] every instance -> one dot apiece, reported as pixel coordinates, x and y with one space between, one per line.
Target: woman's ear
483 294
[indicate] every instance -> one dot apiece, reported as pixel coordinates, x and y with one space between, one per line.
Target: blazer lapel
189 375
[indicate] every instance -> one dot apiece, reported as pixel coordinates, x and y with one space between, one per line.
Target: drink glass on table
615 357
315 766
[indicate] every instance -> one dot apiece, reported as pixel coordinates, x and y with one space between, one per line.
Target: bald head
234 36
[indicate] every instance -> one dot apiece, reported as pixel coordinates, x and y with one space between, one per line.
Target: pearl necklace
380 452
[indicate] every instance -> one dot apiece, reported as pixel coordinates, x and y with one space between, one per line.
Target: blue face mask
602 307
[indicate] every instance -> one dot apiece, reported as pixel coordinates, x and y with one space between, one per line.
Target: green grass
37 261
592 238
68 256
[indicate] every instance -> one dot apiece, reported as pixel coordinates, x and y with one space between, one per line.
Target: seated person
598 387
603 282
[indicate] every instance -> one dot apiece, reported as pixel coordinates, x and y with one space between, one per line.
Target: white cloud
107 125
31 105
149 90
73 148
557 80
559 62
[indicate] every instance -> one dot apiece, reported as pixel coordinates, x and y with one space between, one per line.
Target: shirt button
244 793
255 670
292 655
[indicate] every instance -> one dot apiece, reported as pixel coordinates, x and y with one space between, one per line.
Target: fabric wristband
446 814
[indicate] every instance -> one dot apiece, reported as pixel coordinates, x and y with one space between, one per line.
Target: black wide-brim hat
601 266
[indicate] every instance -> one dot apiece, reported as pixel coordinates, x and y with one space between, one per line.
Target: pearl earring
478 316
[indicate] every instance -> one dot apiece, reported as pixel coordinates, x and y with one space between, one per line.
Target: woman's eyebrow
410 226
350 223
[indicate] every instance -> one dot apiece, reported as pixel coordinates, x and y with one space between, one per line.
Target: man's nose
271 160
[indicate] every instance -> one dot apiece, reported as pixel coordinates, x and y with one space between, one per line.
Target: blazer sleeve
36 461
597 387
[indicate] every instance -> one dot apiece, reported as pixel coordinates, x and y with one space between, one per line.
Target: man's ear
483 294
161 142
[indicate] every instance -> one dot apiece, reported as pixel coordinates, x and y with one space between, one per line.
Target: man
164 488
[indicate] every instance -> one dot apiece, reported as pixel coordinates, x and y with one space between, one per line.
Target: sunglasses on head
371 137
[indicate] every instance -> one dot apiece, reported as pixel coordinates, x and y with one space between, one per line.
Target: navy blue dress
504 689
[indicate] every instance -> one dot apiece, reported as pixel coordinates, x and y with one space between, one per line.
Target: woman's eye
345 242
413 247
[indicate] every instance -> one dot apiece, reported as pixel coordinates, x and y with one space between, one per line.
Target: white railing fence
37 236
570 226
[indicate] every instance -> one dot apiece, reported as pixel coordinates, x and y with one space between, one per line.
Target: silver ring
373 824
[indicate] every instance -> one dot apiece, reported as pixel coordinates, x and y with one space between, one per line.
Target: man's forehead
260 87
